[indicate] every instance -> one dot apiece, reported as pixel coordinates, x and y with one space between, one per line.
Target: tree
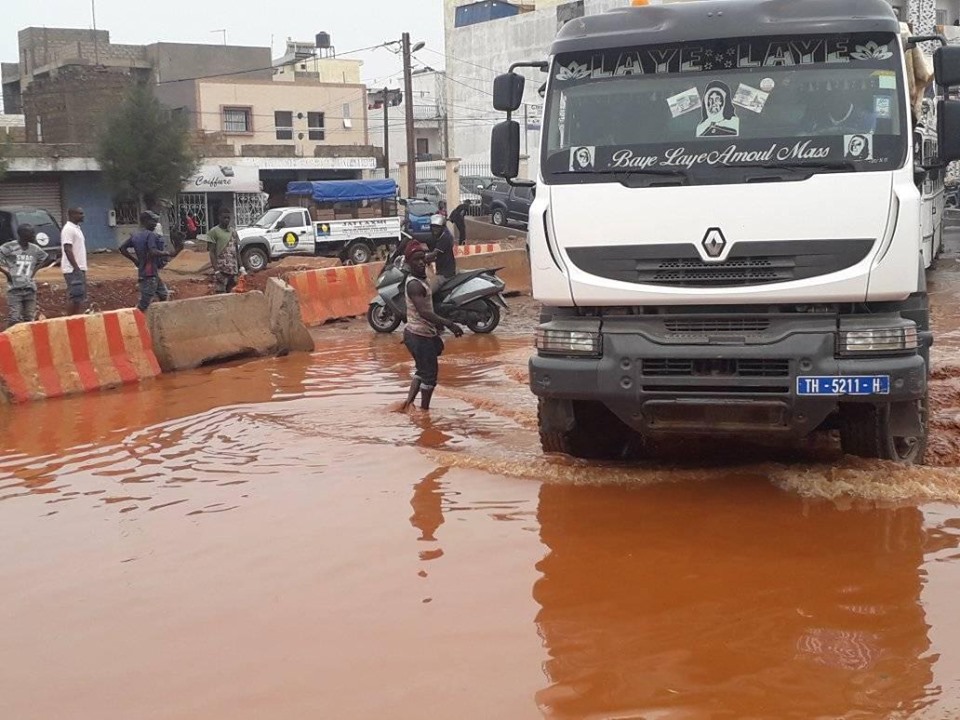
144 151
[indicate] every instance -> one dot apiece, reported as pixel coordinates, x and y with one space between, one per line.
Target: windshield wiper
820 165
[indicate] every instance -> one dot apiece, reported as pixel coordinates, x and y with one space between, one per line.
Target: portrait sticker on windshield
882 106
719 116
858 147
582 158
682 103
750 98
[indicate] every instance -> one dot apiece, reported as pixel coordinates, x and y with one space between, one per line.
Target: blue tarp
344 190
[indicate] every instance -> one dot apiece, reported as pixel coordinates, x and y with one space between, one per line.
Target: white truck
286 231
729 233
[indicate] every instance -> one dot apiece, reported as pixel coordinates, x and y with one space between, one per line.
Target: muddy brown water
269 540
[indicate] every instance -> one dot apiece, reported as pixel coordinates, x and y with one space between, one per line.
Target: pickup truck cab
48 230
506 204
364 224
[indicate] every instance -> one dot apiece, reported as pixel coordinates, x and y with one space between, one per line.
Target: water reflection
737 602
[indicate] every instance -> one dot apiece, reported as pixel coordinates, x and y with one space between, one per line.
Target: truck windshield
698 110
268 219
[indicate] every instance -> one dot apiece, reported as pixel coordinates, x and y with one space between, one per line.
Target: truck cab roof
721 19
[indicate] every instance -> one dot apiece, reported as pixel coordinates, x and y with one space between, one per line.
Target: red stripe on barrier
80 350
49 378
10 373
146 341
314 300
118 351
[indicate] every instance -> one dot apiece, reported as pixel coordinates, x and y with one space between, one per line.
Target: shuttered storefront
45 195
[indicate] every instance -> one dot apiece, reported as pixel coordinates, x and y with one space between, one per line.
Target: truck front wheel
870 431
254 259
595 433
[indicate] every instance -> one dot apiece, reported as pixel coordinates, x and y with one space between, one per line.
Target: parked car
435 191
48 230
505 204
418 216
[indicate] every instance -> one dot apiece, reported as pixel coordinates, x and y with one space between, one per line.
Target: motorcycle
473 298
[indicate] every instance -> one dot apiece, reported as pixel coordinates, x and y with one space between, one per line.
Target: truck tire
499 217
254 259
865 431
382 319
489 322
359 253
597 434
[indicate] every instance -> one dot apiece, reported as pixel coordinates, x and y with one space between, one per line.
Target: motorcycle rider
441 246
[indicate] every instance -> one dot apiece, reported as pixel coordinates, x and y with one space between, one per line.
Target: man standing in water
422 334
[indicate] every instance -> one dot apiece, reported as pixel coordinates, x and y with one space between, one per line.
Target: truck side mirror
946 65
508 92
948 129
505 149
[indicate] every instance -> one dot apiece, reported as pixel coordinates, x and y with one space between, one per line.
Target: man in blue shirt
145 250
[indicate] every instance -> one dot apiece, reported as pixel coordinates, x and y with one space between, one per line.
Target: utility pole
96 42
386 133
408 107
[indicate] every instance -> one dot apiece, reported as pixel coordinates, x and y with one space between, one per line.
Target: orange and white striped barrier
65 356
476 249
336 292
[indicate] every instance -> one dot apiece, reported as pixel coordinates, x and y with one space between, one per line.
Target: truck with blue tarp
353 220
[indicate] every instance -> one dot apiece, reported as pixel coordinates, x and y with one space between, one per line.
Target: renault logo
713 243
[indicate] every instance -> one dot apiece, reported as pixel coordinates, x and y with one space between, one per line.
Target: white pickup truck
287 231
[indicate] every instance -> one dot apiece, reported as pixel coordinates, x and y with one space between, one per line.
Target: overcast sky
351 23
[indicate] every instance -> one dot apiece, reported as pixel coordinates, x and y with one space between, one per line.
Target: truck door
519 203
293 234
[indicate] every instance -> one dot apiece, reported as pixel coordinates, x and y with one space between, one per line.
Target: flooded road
269 540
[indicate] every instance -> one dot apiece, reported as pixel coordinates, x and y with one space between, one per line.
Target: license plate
843 385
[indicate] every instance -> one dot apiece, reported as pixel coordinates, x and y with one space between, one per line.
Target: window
941 17
315 126
283 122
346 111
237 120
128 212
423 146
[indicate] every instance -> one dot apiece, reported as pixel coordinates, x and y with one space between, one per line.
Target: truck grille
715 367
703 326
749 263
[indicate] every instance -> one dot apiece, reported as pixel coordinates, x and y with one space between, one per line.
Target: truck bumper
657 387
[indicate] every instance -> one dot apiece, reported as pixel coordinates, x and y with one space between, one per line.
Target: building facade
257 126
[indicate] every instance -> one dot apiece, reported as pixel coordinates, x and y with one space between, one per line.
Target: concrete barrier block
515 264
333 293
189 262
476 249
190 333
67 356
482 230
285 319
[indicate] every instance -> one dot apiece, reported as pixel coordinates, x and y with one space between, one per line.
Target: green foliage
144 151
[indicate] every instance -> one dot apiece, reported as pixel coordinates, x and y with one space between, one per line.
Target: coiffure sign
224 178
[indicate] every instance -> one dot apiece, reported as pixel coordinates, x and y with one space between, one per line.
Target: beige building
300 116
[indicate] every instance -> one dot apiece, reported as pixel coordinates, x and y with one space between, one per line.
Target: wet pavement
273 540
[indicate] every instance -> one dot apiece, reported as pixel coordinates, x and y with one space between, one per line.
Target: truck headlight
568 342
878 340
